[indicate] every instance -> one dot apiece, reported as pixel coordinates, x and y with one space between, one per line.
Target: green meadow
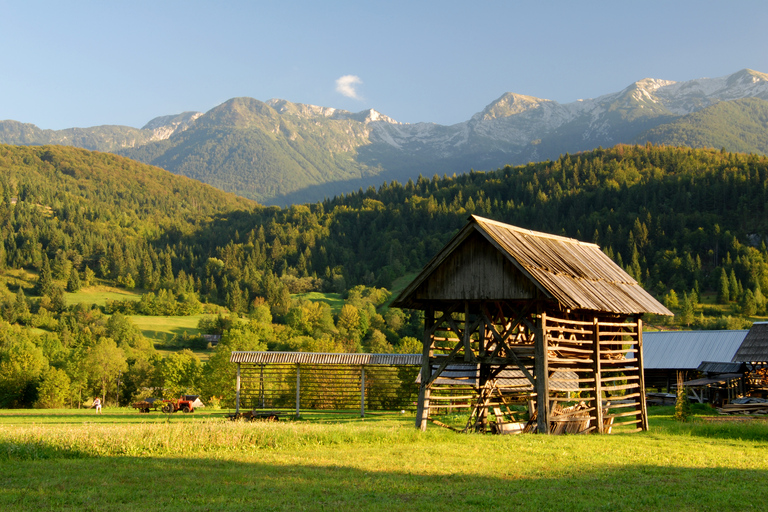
124 460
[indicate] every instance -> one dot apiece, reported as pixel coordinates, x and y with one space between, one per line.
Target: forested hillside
739 125
690 225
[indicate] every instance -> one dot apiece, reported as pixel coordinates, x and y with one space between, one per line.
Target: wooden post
237 391
598 376
422 407
362 392
298 389
261 384
641 370
466 337
541 369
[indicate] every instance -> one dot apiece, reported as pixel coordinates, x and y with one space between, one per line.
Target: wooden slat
625 377
619 388
617 361
623 415
632 422
622 406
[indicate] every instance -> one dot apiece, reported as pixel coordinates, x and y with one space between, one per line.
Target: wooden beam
362 392
422 406
598 377
541 371
467 334
298 389
501 342
643 405
237 391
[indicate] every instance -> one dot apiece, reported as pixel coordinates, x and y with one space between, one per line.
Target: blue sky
88 63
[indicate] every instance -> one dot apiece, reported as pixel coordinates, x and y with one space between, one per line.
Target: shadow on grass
127 483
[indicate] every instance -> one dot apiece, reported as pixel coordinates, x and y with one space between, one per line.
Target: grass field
99 294
332 299
128 461
162 330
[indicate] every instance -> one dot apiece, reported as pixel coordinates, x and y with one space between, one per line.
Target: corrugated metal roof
320 358
577 274
686 350
755 346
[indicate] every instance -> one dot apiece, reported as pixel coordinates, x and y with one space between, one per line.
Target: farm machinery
184 403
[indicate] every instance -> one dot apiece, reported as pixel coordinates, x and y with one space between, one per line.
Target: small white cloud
346 86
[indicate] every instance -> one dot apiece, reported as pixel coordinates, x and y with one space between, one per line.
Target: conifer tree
733 286
73 283
723 291
44 279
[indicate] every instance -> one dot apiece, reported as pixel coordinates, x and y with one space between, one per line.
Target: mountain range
278 152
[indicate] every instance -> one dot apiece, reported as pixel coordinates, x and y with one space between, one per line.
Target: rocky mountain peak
510 104
164 126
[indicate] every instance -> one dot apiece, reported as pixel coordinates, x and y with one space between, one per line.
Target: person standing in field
97 404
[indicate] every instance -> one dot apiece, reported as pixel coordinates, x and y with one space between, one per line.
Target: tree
53 390
682 405
73 283
44 278
748 305
219 373
687 312
409 345
733 286
21 365
107 362
89 276
180 373
671 301
723 291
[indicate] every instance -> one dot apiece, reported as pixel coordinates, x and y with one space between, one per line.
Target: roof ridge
537 234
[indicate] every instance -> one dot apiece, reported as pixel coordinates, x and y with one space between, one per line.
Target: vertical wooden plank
541 369
422 407
482 350
298 389
261 384
466 336
641 370
362 392
598 376
237 391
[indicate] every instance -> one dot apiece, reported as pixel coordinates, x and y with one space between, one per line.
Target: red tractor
184 403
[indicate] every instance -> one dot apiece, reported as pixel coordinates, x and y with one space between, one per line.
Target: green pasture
99 294
168 333
129 461
332 299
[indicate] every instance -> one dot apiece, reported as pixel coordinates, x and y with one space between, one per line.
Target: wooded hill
688 224
675 218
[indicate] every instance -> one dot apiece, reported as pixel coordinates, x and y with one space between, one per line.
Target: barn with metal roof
500 297
669 352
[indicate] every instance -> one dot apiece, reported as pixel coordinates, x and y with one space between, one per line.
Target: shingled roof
576 274
754 348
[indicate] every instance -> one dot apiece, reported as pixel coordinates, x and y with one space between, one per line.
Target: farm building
754 348
668 352
500 297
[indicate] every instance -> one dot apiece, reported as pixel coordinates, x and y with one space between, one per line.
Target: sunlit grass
332 299
331 462
99 294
